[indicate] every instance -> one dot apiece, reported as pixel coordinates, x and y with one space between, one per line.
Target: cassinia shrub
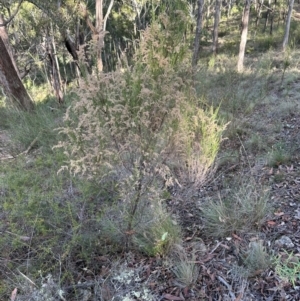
142 127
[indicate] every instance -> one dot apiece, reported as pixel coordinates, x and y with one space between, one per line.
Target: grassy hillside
65 236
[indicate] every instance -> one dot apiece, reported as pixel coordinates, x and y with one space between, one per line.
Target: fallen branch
30 146
7 157
228 287
29 280
79 286
25 152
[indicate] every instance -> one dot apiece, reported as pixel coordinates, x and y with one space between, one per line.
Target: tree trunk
10 79
208 12
97 36
99 32
229 5
53 67
245 22
268 15
198 32
288 24
271 21
258 12
216 26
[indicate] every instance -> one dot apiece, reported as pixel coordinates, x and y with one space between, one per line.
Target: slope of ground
259 262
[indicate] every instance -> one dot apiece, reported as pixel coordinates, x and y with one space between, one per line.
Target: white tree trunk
100 30
245 22
288 24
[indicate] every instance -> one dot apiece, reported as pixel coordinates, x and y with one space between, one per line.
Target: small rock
284 241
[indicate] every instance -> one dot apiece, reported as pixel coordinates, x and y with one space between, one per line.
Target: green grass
279 155
46 218
24 127
287 267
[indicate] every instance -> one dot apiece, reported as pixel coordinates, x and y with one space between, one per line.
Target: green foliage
294 34
287 267
251 208
256 143
158 234
153 231
265 42
32 129
40 92
279 155
47 218
255 261
201 139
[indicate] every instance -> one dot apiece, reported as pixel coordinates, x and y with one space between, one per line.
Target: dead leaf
254 238
279 213
224 246
237 237
239 297
172 297
208 258
13 294
186 291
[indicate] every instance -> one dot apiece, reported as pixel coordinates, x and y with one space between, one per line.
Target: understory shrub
142 128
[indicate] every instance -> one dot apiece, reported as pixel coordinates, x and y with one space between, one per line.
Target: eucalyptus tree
32 36
216 26
200 4
245 23
288 24
10 79
98 29
258 8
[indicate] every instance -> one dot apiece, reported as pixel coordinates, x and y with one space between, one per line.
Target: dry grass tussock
184 266
244 210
